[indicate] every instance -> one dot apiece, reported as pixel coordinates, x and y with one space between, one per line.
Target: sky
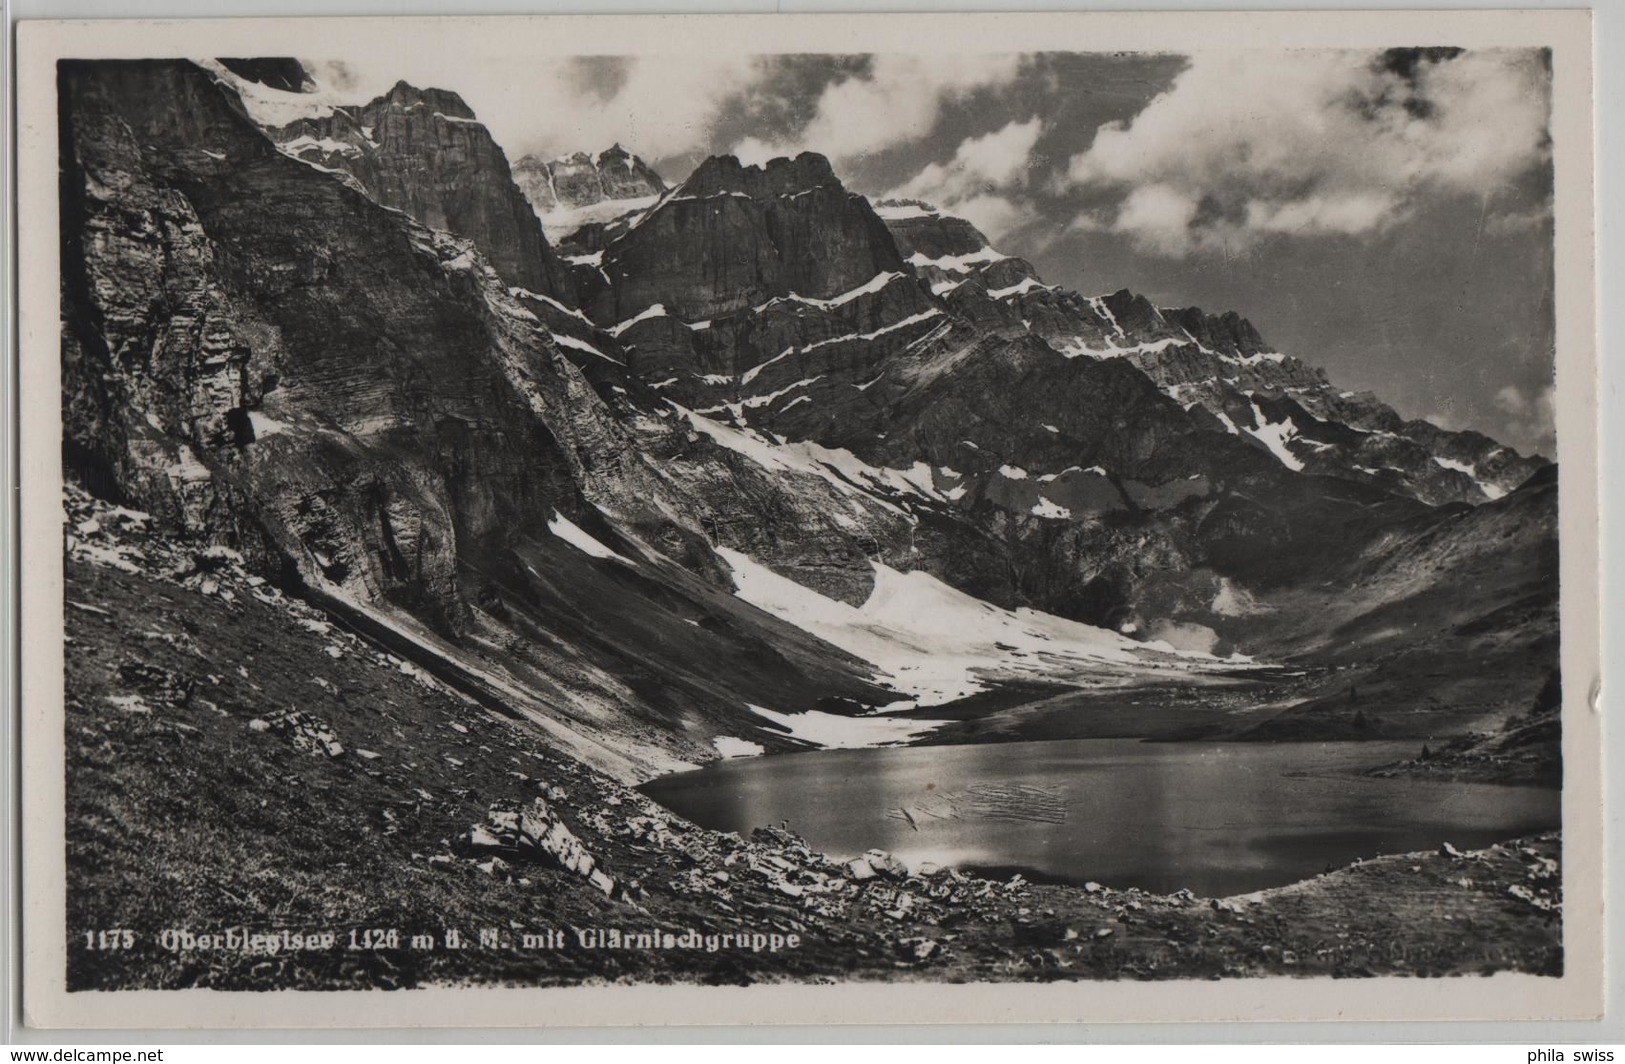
1386 216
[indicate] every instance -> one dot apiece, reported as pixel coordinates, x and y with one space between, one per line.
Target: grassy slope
183 814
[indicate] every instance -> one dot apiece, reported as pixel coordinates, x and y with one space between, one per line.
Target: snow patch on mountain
869 287
578 538
1276 436
840 467
834 732
957 263
562 221
264 425
913 319
1080 348
1491 491
581 345
539 297
730 747
325 145
1025 285
936 644
656 311
274 107
1044 508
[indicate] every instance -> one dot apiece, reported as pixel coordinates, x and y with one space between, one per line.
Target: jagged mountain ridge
263 357
574 190
1219 363
381 458
422 151
816 421
1088 411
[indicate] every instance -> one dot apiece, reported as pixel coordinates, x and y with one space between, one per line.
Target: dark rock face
283 73
920 230
1228 333
287 300
1119 456
422 151
1219 363
734 236
582 180
263 357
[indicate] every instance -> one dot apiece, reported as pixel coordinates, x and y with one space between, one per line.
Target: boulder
533 833
885 864
306 732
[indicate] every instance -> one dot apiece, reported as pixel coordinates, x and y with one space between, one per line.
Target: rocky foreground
239 765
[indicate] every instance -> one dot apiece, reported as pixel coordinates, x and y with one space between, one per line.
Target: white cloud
993 216
1312 143
1531 417
1514 400
976 184
655 106
1345 213
666 106
754 151
1448 420
1518 223
997 158
1159 215
899 100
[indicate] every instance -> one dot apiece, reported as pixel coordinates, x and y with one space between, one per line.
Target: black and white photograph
657 504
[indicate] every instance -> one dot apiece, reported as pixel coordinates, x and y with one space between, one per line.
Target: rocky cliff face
345 354
423 151
1217 362
1129 462
266 359
734 236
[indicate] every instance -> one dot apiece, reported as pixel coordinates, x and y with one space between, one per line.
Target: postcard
819 518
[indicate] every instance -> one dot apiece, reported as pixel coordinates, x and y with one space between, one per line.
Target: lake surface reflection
1219 819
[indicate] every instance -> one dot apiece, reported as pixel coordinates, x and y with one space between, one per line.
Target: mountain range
678 470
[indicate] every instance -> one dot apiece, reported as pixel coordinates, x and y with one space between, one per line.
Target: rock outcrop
423 151
1219 363
734 236
531 833
579 189
261 356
